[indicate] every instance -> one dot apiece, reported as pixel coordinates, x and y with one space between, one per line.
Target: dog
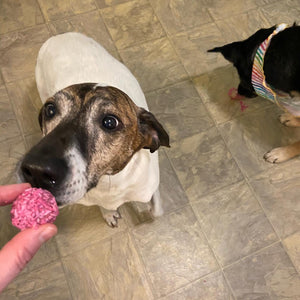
97 130
268 65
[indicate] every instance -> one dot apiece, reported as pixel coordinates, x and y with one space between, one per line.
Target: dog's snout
44 173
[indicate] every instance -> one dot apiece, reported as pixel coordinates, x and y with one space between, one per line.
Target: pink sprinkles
32 208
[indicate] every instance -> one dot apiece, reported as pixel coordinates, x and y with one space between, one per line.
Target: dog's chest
136 182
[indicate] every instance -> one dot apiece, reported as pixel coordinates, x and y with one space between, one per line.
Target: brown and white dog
97 131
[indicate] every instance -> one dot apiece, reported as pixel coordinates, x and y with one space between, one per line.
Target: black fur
281 64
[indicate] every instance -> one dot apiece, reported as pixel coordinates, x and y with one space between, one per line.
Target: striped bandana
258 79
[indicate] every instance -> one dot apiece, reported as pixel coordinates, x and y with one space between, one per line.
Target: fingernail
47 233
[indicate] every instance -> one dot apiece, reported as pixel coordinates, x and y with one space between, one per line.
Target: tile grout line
193 282
271 223
142 262
109 34
250 255
64 269
48 21
136 43
290 257
214 254
17 119
168 37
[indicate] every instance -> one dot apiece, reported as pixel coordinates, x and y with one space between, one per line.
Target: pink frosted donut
32 208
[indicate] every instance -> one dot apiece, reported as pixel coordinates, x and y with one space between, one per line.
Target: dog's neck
246 53
258 79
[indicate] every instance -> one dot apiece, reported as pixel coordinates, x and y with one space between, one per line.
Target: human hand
21 248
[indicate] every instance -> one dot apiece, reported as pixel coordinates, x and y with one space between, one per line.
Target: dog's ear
229 51
152 131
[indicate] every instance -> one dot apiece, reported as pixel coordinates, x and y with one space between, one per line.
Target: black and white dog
268 65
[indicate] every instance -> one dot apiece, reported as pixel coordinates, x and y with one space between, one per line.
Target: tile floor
231 228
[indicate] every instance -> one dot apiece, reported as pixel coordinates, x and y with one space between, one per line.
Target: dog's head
89 131
241 55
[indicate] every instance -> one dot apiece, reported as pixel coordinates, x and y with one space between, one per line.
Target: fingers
19 251
8 193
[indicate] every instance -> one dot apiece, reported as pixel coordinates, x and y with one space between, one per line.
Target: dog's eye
50 110
110 122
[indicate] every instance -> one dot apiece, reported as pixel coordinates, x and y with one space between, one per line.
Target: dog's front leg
156 207
281 154
110 216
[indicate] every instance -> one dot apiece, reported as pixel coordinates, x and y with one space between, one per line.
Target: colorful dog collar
258 79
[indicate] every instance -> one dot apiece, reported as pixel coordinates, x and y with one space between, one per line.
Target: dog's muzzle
55 164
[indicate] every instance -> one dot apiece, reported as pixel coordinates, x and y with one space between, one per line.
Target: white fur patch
100 84
76 183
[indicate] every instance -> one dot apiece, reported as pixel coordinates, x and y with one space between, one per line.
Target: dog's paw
277 155
111 218
289 120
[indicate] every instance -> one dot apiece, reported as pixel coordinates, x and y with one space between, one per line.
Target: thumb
20 249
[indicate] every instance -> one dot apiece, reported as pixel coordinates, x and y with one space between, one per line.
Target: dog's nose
44 173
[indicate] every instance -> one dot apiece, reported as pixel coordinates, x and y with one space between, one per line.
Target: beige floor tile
80 226
1 80
109 269
240 27
170 264
142 25
90 24
278 191
32 139
18 14
155 64
107 3
8 122
234 223
181 15
136 213
220 9
18 52
11 152
213 88
192 46
171 191
48 283
57 9
211 287
26 103
284 11
203 164
250 136
292 244
268 274
180 110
